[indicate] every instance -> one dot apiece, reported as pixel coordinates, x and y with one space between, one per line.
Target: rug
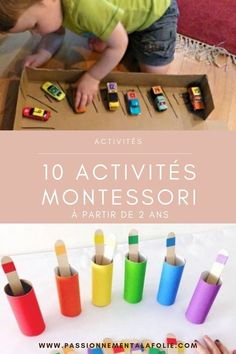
211 22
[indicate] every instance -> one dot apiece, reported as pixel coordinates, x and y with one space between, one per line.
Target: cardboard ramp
178 116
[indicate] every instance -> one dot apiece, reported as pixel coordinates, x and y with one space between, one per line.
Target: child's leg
160 70
154 47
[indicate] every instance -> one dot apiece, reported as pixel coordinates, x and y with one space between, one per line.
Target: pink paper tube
202 300
26 310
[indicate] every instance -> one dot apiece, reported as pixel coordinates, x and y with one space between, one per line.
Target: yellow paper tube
101 283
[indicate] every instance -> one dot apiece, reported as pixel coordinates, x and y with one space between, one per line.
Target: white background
27 238
120 320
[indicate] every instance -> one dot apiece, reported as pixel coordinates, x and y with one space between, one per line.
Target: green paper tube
134 279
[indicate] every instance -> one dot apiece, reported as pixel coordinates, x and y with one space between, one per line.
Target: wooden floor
74 54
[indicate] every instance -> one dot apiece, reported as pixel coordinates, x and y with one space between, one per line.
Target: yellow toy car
112 96
53 91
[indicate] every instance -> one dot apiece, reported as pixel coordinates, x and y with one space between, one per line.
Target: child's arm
47 47
87 86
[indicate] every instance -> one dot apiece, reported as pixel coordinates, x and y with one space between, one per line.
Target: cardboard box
178 116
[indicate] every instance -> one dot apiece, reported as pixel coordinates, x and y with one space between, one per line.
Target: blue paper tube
169 282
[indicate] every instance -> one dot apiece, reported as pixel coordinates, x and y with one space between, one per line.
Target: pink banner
112 177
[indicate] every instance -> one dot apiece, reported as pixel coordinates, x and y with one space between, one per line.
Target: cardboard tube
134 279
202 300
26 310
68 293
169 283
101 283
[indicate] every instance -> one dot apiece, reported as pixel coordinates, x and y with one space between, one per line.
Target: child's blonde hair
10 11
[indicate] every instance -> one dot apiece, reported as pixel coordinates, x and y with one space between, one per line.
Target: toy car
77 109
196 98
53 91
112 96
80 110
133 103
36 113
159 98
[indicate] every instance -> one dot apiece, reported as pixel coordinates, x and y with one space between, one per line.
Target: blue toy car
133 103
159 98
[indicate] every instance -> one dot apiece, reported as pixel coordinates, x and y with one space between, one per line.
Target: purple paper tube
202 300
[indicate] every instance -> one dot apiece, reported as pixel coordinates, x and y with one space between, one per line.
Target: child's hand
87 88
211 347
38 59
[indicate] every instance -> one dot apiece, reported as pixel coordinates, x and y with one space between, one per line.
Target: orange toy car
77 109
196 98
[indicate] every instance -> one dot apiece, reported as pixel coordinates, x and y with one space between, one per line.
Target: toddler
149 26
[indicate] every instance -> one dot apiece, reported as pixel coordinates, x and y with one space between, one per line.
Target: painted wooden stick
110 246
68 351
108 348
147 344
181 348
172 344
133 246
12 276
63 263
99 246
136 348
118 350
170 248
127 344
217 268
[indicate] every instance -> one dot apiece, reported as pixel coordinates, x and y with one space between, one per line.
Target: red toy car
36 113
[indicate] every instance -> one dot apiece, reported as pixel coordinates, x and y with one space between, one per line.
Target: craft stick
156 351
45 104
48 97
181 348
127 348
172 344
96 350
217 268
133 246
58 83
147 344
136 348
99 246
110 246
170 248
63 263
148 348
22 92
118 349
68 351
137 351
12 276
108 348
